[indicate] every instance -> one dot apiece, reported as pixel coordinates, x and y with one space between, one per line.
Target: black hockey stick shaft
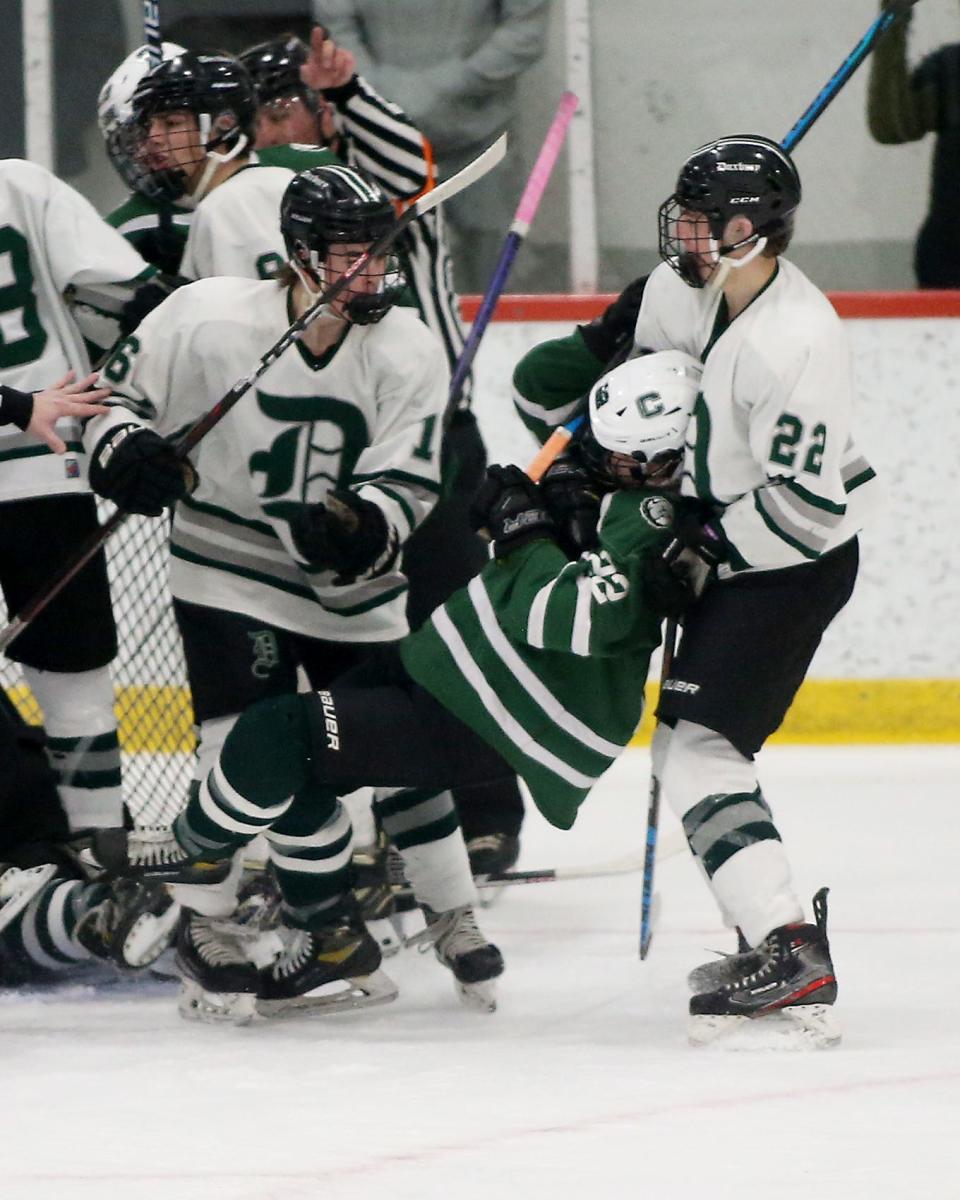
450 187
653 809
152 37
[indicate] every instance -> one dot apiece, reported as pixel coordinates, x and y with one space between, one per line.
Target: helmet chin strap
314 291
725 264
214 159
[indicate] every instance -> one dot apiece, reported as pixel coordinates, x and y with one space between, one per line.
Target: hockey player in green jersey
536 667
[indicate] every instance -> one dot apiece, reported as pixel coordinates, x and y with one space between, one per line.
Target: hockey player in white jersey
299 93
286 555
783 491
55 249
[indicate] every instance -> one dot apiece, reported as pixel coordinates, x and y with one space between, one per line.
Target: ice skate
785 1002
726 968
460 946
132 926
374 895
219 982
492 854
18 887
326 969
151 852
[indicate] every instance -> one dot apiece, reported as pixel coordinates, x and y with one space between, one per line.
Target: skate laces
453 933
214 944
154 846
297 945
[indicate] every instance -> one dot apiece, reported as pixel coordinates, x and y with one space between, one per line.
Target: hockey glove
140 471
572 499
346 534
612 332
146 298
508 505
699 530
670 585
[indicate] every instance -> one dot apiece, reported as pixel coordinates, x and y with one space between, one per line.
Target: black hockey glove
699 530
572 499
346 534
139 471
670 585
509 506
146 298
611 332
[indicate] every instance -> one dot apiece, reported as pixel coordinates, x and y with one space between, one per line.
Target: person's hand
64 399
899 7
508 506
139 471
346 534
328 65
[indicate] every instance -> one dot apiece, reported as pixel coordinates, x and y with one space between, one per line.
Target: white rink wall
904 619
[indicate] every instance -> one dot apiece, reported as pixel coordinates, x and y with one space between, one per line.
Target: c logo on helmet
650 404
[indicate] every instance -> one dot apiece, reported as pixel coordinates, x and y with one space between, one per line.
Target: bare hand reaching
328 65
64 399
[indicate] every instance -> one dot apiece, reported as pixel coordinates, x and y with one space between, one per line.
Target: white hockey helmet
640 411
115 108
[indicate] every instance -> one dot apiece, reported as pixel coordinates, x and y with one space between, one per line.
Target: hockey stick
152 37
450 187
653 809
523 218
628 864
557 442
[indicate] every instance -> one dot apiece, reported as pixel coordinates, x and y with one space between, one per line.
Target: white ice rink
581 1085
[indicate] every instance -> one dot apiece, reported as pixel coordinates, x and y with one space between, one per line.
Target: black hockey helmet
338 204
211 86
274 68
743 175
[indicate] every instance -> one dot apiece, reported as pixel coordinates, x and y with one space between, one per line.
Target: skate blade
149 936
362 991
478 997
384 933
218 1008
30 882
797 1027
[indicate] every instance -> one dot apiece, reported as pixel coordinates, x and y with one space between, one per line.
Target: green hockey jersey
546 659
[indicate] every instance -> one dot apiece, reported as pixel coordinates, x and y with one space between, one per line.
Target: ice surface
582 1084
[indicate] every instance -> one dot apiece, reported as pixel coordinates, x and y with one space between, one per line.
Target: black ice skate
151 852
460 946
727 968
792 988
492 853
330 968
374 895
219 982
132 926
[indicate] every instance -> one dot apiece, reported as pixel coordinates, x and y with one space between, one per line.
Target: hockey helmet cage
115 113
337 204
274 68
211 86
743 175
640 410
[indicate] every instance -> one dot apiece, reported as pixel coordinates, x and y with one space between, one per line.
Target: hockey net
151 696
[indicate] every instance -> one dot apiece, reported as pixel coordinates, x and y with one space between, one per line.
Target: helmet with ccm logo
743 175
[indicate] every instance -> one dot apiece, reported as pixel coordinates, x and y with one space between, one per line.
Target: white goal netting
152 699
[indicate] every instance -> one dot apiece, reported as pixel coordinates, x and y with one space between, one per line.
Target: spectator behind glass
453 68
902 106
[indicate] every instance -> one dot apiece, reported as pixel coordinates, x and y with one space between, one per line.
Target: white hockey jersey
236 227
51 240
771 435
367 415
